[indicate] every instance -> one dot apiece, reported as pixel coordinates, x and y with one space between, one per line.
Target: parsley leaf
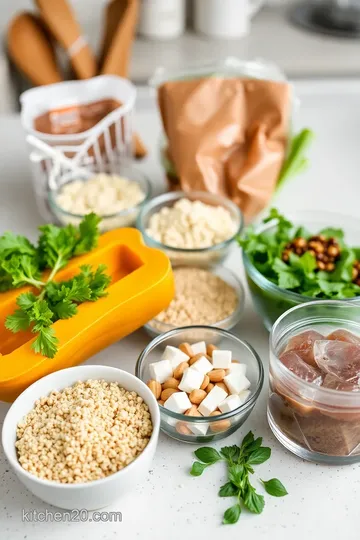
19 320
46 342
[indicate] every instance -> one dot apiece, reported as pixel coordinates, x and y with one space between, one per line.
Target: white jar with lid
162 19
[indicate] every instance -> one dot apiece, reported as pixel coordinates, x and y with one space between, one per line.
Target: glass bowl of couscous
193 229
115 193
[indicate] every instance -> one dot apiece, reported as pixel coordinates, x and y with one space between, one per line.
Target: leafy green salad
317 266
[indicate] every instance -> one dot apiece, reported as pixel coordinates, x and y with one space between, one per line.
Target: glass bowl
201 430
203 257
316 423
155 327
269 299
124 218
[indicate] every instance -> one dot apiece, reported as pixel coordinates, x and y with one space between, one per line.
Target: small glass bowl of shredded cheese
196 228
116 196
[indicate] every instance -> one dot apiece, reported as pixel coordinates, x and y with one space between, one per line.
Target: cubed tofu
212 401
221 359
191 380
236 382
161 371
199 347
175 356
230 403
178 402
203 365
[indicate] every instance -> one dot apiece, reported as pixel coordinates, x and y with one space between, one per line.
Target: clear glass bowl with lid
314 422
193 429
201 257
269 299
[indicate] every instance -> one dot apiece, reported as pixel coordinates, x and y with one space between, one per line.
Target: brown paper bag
227 136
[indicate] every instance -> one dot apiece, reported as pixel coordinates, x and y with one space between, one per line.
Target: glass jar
316 423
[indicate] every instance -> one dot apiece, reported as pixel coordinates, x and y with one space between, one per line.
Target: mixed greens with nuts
240 461
317 266
22 263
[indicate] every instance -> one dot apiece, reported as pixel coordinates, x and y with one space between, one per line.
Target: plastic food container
156 327
315 423
86 495
142 285
124 218
204 257
216 427
270 300
109 139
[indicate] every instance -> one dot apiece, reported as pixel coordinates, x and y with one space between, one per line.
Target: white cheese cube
237 368
212 400
161 371
198 429
221 359
199 347
244 395
236 383
191 380
175 356
203 365
178 402
230 403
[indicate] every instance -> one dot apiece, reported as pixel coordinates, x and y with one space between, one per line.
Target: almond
155 387
165 394
161 402
209 387
186 348
210 348
182 429
193 411
196 396
170 383
205 382
221 425
179 370
216 375
195 358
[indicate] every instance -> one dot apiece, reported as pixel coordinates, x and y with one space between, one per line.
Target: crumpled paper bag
227 136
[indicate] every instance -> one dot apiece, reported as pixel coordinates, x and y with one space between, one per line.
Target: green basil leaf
274 487
236 474
259 456
254 503
197 468
228 490
230 453
232 514
247 440
206 454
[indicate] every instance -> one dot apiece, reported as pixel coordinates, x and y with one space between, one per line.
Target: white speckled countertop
322 501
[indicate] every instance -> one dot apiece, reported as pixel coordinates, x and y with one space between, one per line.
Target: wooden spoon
31 50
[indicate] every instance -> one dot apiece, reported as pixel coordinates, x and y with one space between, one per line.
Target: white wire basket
102 147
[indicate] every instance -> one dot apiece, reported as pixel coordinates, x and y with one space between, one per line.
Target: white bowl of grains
82 437
213 297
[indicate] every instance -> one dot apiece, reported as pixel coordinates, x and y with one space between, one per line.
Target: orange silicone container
142 285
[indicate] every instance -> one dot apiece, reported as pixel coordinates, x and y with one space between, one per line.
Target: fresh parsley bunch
240 461
300 275
22 263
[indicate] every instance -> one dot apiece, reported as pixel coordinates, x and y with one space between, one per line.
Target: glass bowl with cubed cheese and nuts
196 228
115 192
205 391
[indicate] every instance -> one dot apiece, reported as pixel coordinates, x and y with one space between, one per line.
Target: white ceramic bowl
89 495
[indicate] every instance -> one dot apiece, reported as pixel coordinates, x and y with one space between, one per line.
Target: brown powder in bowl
201 297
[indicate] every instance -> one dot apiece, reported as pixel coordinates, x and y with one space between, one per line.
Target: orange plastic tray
142 285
